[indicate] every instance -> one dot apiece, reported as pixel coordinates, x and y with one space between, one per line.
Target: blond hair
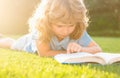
53 11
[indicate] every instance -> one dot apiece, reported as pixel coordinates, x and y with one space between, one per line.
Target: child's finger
72 48
79 49
76 49
68 50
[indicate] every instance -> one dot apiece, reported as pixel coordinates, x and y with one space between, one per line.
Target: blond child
57 26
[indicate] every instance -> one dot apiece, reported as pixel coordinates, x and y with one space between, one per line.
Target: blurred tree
105 16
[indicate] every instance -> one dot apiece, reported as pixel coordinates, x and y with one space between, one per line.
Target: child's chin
62 37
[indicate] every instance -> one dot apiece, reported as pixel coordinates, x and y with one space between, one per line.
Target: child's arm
91 48
43 49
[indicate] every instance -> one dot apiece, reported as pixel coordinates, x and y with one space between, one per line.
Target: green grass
14 64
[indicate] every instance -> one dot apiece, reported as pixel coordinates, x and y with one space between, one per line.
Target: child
57 26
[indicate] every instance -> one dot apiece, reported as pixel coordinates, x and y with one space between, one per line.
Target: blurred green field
109 44
16 64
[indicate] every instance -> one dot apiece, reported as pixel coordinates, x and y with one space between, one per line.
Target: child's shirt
27 42
84 40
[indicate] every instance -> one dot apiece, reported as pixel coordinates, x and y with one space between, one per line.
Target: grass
14 64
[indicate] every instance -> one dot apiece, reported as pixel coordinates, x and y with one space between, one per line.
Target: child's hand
73 47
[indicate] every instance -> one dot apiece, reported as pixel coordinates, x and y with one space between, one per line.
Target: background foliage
104 16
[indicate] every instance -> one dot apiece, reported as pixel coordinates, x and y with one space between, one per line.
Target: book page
109 57
63 57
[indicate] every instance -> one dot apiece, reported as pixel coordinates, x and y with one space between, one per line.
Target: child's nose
65 31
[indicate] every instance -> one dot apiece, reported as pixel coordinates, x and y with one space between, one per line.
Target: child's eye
72 26
59 26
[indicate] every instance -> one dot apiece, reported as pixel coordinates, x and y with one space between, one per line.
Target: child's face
62 30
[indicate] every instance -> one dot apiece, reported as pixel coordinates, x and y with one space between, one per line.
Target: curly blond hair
53 11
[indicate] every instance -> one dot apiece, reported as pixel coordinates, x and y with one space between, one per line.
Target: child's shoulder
85 39
84 35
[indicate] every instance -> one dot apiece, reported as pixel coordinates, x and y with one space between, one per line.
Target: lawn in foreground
14 64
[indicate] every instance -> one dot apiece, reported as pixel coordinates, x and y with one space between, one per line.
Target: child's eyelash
60 26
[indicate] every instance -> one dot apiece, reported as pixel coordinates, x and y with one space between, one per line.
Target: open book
84 57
